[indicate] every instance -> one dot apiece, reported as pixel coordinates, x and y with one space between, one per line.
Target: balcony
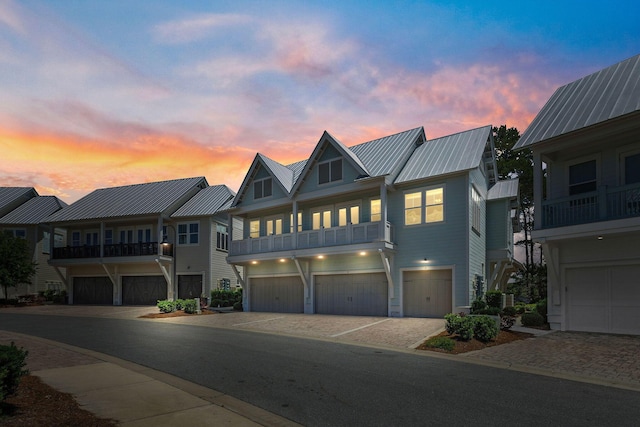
350 234
603 205
115 250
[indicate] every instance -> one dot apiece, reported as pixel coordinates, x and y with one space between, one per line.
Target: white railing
334 236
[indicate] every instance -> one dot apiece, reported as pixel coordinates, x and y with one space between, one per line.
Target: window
222 237
299 222
18 232
413 208
144 235
108 237
475 210
321 219
46 242
274 226
434 210
188 234
254 228
632 169
330 171
582 178
348 215
126 236
262 188
75 238
91 238
433 206
376 210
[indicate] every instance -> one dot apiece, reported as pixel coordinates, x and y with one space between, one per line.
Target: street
318 383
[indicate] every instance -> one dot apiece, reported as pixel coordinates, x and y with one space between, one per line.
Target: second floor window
376 210
582 178
262 188
108 237
299 222
274 226
222 237
424 206
632 169
75 238
188 234
321 219
254 228
330 171
475 210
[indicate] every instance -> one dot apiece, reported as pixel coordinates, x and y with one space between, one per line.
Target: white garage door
277 294
604 299
351 294
426 293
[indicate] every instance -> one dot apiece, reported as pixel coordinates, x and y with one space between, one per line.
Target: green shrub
12 362
493 299
491 311
520 307
238 306
506 322
190 306
216 303
509 311
485 328
529 308
180 304
541 308
532 319
466 328
444 343
478 305
452 323
166 306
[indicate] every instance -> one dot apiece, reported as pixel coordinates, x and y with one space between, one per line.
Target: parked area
605 359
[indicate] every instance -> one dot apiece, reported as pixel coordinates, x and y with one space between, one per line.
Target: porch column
383 203
537 189
294 244
160 235
101 239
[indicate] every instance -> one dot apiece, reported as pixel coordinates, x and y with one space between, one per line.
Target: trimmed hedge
532 319
12 362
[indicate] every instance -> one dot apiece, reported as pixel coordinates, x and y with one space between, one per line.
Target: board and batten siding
349 173
444 244
261 173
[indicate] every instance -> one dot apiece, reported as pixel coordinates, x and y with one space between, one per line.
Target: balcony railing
112 250
334 236
603 205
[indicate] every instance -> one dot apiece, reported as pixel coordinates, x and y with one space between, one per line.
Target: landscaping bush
506 322
466 328
532 319
493 299
509 311
190 306
541 308
180 304
238 306
478 305
485 328
444 343
529 308
166 306
452 322
216 302
12 362
491 311
520 307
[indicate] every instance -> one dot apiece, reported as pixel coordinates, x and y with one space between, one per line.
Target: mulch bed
504 337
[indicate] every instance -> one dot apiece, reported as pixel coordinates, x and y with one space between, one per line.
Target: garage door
277 294
604 299
351 294
92 290
143 290
427 293
190 286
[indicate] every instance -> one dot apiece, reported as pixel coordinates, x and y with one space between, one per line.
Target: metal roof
279 171
386 156
33 211
9 196
601 96
454 153
297 168
131 200
206 202
505 189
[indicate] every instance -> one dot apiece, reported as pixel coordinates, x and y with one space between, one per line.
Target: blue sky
102 93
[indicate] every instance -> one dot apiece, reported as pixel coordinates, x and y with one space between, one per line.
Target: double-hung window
330 171
189 233
321 219
299 222
376 210
632 169
222 237
254 228
262 188
583 177
348 215
274 226
475 210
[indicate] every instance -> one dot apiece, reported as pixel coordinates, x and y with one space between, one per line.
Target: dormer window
330 171
262 188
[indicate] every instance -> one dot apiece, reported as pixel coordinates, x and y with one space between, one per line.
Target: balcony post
383 210
537 186
294 243
101 239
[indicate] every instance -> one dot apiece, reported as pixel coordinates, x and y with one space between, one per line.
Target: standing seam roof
33 211
206 202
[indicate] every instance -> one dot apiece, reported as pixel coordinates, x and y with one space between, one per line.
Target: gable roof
12 197
284 176
131 200
454 153
33 211
604 95
206 202
505 189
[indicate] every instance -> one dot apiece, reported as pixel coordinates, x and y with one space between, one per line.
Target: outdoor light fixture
282 260
320 256
363 253
600 238
254 262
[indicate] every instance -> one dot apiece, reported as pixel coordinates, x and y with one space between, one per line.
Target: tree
518 164
16 266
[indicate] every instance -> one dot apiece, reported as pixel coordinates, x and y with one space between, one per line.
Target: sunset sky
96 94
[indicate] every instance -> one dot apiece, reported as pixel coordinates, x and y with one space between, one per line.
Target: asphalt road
318 383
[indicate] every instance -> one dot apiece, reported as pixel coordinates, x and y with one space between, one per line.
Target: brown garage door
351 294
427 293
92 290
190 286
143 290
277 294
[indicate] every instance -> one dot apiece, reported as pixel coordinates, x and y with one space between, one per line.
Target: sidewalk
134 395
